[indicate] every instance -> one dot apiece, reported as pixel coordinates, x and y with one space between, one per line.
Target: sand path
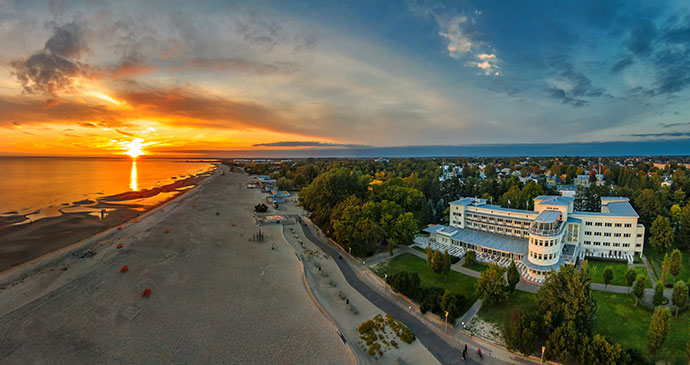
208 302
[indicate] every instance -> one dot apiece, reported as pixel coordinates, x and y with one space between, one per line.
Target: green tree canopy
491 286
513 276
680 295
566 296
662 234
658 329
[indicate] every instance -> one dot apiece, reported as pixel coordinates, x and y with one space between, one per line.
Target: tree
471 258
599 350
658 329
491 286
445 264
647 205
405 283
261 208
676 262
565 343
566 296
684 229
665 268
658 294
630 276
452 304
429 254
608 275
638 288
680 295
436 262
522 333
662 234
513 276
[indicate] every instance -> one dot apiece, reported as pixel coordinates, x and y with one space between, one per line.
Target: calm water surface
28 184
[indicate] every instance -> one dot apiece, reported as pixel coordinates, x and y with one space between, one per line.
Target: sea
43 186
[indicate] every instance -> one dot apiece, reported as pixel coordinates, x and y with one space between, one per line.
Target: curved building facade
543 239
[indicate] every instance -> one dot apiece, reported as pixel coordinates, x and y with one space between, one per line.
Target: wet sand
209 302
21 241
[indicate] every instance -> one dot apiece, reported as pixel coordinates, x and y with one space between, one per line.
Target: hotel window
509 221
616 235
628 225
616 244
588 223
588 233
618 224
607 234
626 234
597 233
597 224
588 242
596 243
639 235
626 245
607 244
607 224
540 257
508 230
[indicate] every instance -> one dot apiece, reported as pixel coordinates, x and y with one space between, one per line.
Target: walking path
445 352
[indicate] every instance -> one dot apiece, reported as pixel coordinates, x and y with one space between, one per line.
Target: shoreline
207 281
71 231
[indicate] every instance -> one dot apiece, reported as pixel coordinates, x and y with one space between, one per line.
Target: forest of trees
364 204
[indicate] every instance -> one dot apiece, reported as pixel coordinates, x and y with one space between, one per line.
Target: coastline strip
38 264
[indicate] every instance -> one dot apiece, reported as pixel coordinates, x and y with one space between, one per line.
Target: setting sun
134 147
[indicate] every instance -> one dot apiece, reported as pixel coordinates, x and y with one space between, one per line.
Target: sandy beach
22 241
209 302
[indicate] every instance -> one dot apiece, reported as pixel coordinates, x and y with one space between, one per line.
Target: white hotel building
546 238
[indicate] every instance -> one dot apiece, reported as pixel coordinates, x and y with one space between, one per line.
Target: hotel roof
484 239
613 207
548 216
554 199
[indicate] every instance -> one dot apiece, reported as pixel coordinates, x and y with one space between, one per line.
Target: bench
353 309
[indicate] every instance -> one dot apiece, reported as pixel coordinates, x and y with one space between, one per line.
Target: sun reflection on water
133 177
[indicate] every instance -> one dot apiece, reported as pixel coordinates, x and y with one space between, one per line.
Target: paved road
440 348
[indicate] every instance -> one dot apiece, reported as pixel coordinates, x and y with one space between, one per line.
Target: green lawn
618 319
619 270
500 314
456 282
480 266
655 259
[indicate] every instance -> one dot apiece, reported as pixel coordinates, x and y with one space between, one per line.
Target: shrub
261 208
471 258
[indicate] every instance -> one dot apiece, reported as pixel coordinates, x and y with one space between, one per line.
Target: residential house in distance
542 240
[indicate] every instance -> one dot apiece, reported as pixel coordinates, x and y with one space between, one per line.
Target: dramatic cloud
52 69
670 125
307 144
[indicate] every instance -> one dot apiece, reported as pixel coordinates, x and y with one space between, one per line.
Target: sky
199 78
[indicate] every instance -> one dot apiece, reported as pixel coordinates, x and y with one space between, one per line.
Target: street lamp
446 321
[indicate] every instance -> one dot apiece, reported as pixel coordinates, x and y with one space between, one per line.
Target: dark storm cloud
51 69
307 144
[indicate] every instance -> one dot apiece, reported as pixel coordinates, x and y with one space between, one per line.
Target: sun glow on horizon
134 147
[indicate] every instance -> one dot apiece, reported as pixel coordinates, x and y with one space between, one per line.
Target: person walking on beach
102 214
